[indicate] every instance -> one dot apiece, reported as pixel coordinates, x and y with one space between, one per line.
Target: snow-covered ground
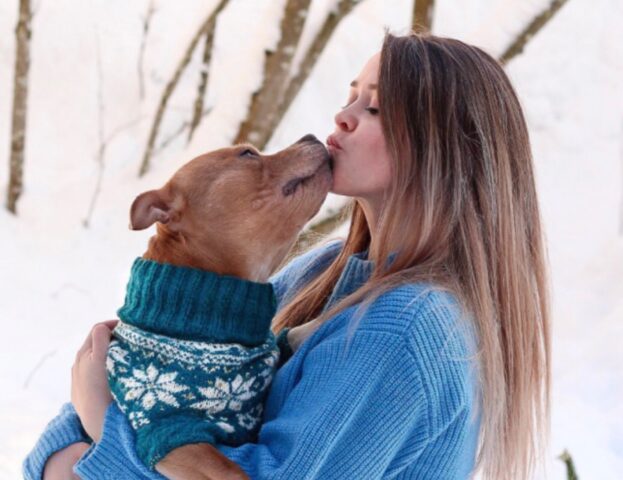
58 277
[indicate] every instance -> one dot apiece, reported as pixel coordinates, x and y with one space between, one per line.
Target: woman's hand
199 461
60 465
298 335
90 393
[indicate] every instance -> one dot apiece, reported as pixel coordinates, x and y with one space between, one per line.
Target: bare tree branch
100 159
322 228
101 152
181 129
146 24
203 82
423 15
323 36
20 103
565 456
170 87
259 124
517 46
38 365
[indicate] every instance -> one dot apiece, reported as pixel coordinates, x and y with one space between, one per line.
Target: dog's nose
309 138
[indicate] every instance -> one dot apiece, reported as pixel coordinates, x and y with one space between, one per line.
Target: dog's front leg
199 461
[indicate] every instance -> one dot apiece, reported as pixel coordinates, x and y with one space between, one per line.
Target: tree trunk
294 85
517 46
203 82
20 101
260 122
423 15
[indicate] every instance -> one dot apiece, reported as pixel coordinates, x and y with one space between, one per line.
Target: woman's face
361 163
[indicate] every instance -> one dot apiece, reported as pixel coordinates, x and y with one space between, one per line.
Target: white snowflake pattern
225 395
138 419
271 360
247 420
116 355
225 427
149 386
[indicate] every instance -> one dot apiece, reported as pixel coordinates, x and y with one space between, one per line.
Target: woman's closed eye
371 110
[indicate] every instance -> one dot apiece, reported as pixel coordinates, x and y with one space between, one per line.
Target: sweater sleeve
114 456
346 418
64 430
354 407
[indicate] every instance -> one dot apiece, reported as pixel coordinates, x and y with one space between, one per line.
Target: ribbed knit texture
64 430
399 403
285 350
192 304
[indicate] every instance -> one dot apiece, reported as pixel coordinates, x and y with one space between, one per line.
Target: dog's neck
176 249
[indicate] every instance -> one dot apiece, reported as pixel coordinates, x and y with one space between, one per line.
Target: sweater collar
357 271
192 304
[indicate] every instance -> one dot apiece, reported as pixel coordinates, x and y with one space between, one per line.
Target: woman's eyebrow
371 86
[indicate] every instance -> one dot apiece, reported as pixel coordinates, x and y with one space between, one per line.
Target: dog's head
238 207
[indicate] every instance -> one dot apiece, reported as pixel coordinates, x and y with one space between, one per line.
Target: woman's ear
150 207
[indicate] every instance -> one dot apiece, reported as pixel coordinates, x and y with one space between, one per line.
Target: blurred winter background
98 71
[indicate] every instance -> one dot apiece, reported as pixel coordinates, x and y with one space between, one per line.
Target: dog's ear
148 208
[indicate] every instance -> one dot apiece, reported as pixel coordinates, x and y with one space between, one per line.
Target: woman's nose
345 121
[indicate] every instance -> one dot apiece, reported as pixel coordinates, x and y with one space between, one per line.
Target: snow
57 277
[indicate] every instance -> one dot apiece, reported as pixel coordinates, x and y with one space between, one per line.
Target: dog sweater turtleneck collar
192 304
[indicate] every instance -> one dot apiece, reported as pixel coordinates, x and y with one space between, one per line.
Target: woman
429 352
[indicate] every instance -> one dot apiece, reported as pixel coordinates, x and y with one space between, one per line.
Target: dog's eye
247 153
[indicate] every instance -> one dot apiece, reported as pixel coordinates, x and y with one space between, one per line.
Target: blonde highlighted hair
463 207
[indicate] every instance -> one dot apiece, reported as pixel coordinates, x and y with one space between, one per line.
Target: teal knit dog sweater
192 358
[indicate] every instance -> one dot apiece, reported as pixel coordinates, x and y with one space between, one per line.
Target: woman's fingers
111 324
86 346
104 327
100 340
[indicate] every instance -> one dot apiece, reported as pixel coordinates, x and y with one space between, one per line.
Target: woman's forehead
369 73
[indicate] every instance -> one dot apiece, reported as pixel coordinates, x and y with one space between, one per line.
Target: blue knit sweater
400 403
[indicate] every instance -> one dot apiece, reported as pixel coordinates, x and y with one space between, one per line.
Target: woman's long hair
463 207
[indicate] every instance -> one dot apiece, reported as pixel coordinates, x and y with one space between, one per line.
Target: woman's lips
332 142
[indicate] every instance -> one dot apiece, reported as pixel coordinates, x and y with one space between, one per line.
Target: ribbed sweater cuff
285 350
110 454
192 304
64 430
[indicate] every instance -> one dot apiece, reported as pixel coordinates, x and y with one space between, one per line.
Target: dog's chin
319 178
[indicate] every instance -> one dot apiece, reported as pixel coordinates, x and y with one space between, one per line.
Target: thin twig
518 45
170 87
141 54
103 140
101 151
198 112
180 130
41 361
565 456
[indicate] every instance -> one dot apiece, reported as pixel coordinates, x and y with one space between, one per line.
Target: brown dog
234 212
